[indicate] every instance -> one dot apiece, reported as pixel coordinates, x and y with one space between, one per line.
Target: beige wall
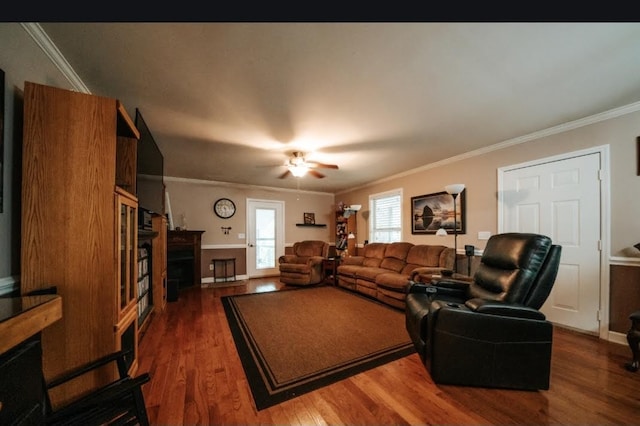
195 199
479 173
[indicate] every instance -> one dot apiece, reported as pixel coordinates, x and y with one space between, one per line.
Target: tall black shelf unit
145 274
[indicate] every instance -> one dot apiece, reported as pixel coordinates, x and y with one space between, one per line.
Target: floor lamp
454 190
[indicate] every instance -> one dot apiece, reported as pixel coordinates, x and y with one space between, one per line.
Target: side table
330 268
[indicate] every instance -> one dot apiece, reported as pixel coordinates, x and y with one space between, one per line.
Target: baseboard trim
617 337
209 280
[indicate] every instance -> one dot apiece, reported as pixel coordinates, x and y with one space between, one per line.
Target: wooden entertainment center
80 229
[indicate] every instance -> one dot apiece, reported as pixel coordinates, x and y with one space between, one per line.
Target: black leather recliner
490 332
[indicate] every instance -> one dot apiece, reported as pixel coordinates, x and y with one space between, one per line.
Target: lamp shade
454 188
441 232
351 236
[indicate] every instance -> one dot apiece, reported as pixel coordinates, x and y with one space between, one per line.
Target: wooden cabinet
79 225
159 250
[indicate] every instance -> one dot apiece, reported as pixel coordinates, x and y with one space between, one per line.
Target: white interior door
562 199
265 237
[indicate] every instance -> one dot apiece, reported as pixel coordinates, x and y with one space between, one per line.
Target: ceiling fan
298 166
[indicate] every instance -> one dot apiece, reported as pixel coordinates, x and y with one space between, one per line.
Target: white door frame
279 243
605 224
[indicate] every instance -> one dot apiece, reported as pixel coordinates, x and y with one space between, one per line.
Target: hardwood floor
197 379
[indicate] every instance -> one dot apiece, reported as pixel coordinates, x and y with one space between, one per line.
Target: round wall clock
224 208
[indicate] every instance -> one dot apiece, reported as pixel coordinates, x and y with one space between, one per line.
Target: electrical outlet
211 267
240 236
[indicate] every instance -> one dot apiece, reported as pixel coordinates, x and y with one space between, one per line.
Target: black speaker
172 290
469 250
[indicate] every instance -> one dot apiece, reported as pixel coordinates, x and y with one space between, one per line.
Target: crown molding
242 185
42 39
582 122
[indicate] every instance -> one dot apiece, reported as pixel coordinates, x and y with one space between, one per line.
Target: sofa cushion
395 255
370 274
348 270
392 264
398 250
373 254
393 281
310 248
428 255
298 268
371 262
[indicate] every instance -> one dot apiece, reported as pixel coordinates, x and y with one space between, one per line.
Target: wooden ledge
22 317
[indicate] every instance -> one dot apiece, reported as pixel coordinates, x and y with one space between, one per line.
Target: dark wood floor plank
197 379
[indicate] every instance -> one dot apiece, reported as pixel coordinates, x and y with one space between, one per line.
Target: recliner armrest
492 307
315 260
414 287
450 287
287 258
451 283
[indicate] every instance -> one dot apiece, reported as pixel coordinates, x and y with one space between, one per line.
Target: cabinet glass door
127 255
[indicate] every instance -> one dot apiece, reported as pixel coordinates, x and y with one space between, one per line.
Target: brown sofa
384 269
304 265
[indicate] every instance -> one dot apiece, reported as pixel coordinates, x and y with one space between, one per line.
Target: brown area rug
294 341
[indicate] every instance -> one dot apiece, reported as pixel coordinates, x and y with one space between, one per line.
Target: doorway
265 237
564 197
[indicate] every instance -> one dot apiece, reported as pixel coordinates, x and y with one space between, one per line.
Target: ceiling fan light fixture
298 170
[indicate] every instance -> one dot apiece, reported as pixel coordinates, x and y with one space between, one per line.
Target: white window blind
386 217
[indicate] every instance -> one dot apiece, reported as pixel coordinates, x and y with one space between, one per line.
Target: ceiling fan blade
284 175
321 165
315 173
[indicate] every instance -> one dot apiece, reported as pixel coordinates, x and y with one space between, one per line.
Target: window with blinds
386 217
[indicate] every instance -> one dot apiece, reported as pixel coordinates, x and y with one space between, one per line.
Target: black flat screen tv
150 173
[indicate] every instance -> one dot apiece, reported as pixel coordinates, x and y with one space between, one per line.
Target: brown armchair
304 265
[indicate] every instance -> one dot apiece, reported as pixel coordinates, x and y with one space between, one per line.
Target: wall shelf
313 225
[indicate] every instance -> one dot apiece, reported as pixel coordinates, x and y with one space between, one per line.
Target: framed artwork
431 212
309 218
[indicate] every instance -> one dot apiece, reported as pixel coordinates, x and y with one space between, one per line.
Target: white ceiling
229 101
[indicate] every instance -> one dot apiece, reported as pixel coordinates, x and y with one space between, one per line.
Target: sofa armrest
493 307
426 270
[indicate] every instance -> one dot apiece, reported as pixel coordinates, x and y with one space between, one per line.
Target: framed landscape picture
431 212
